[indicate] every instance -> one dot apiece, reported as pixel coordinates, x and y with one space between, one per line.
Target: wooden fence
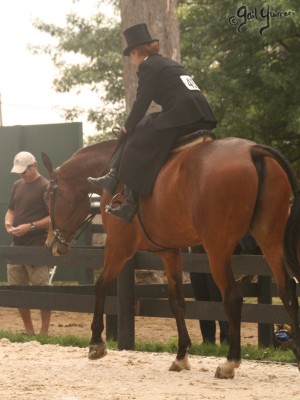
127 300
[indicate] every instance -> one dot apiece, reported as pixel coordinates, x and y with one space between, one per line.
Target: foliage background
252 80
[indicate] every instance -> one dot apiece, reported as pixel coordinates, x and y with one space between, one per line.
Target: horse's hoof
220 374
179 365
97 351
226 370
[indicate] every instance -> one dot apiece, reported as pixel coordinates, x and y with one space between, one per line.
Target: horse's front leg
173 266
97 347
114 261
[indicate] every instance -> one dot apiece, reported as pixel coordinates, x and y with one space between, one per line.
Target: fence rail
127 300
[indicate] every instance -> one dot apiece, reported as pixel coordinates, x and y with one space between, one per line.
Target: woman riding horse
146 140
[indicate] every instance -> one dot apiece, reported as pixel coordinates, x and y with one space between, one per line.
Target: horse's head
67 195
69 205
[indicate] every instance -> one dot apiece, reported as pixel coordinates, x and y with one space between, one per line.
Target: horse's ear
48 164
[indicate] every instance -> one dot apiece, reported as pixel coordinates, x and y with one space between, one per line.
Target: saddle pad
192 143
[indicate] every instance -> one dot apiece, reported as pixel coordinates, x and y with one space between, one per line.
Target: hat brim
128 49
17 169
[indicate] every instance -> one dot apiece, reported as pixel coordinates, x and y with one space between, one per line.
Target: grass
248 352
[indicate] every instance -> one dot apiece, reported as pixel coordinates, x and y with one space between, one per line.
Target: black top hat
136 35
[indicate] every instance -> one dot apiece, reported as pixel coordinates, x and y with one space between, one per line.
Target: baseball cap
21 161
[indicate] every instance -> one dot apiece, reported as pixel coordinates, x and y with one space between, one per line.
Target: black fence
127 299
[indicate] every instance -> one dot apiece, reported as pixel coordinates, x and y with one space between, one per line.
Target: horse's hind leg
286 291
293 307
173 266
232 300
268 228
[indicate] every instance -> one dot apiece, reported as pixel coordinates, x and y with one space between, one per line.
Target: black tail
292 230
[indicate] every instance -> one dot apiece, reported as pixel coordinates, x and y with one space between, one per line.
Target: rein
58 232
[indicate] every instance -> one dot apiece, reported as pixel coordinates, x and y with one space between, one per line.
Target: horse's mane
85 157
95 147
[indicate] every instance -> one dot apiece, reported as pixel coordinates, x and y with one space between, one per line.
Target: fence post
265 331
125 302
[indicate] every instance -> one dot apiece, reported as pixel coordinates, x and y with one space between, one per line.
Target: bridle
58 233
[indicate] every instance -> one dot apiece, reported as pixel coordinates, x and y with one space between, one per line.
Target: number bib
189 83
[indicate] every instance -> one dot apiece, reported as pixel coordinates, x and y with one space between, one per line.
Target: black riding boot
127 210
109 182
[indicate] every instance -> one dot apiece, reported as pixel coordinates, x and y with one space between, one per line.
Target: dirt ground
32 371
151 329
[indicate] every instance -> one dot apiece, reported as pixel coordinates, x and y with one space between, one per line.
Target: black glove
119 133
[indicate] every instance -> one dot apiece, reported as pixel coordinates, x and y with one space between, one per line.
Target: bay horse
209 194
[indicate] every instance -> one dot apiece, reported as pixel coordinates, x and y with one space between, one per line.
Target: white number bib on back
189 83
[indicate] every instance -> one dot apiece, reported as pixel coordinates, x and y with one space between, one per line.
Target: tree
160 17
250 72
100 42
250 76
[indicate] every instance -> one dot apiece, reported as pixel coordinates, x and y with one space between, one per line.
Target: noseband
58 232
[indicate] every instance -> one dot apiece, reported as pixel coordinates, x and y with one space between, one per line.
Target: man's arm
9 220
42 223
25 228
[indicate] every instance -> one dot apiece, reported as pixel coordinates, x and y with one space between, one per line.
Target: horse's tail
292 230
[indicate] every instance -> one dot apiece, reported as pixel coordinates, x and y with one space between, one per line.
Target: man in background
27 220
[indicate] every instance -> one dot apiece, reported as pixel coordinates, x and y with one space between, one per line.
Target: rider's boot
109 182
127 210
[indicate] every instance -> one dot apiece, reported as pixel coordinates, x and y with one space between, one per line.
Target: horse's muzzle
55 247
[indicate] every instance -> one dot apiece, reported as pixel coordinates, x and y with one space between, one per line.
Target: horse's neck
90 161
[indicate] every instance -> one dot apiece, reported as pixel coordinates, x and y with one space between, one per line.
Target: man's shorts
27 275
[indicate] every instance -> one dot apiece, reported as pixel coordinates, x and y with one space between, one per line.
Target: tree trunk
160 17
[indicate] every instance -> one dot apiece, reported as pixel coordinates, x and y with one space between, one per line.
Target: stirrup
125 211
